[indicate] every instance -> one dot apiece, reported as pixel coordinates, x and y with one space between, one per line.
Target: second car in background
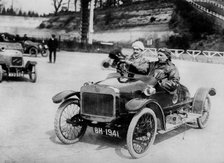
35 48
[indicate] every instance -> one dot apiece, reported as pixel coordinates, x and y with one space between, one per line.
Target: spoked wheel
33 51
141 133
33 74
122 68
202 121
68 124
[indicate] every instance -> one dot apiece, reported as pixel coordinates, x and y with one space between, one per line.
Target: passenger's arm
172 81
141 65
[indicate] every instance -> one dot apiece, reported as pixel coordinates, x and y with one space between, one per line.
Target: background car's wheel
68 124
33 51
202 105
33 74
1 73
141 133
44 53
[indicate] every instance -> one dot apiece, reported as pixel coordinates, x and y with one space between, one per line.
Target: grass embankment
193 29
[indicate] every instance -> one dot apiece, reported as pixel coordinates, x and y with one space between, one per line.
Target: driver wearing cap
164 71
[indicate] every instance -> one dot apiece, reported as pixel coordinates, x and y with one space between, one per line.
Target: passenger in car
137 62
163 69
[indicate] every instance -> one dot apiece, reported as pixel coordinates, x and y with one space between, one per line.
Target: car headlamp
149 90
3 49
88 83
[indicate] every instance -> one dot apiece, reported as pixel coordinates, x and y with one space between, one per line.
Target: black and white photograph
125 81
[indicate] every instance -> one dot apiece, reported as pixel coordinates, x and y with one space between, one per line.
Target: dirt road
27 117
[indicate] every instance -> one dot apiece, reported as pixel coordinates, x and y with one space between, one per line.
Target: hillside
115 18
145 21
175 24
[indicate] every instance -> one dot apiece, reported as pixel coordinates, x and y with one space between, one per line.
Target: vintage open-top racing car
12 64
122 106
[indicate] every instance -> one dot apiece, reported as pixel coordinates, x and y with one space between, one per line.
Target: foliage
12 12
191 26
198 24
108 17
177 42
57 5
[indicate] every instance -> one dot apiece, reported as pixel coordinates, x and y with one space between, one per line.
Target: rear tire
202 105
203 120
141 133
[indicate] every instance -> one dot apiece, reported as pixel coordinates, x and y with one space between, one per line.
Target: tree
24 13
57 5
2 5
20 13
3 12
109 3
126 2
75 4
69 1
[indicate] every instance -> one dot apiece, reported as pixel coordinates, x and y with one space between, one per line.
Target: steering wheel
122 68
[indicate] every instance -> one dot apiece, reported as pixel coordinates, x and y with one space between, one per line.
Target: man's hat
165 51
139 45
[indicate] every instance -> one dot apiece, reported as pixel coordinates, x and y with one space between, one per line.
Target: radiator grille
17 61
97 104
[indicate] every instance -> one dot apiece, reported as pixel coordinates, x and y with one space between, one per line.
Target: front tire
33 51
44 53
69 126
141 133
33 74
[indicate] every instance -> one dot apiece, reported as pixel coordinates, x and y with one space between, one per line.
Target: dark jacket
52 44
167 74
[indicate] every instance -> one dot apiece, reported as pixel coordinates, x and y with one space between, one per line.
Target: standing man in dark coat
52 45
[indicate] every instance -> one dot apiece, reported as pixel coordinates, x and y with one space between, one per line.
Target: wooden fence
192 55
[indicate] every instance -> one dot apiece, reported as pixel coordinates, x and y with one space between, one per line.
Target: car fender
136 104
199 97
60 97
29 64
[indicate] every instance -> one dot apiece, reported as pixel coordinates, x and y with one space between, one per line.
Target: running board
191 118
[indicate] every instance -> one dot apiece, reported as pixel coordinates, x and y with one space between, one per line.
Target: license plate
106 131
